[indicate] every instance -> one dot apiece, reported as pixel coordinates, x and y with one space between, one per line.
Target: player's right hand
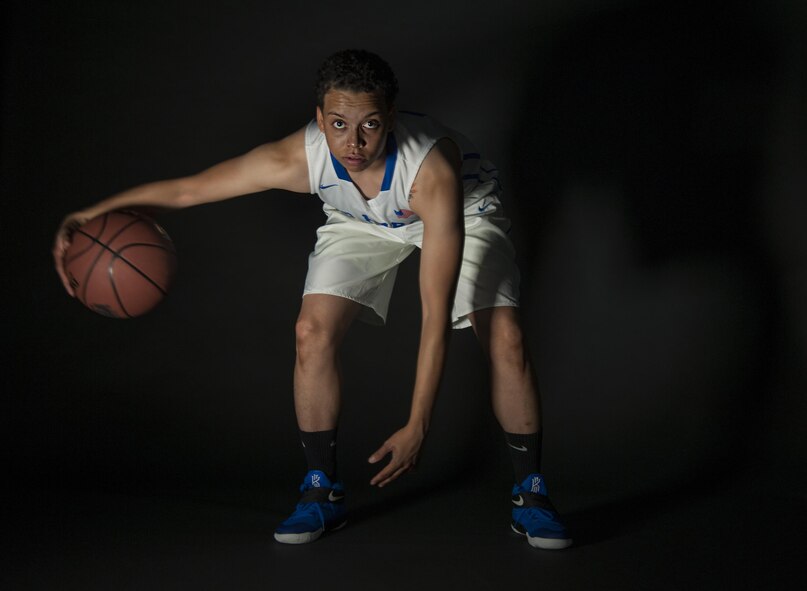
403 448
64 236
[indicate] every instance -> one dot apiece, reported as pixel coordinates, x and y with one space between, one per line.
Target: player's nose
355 140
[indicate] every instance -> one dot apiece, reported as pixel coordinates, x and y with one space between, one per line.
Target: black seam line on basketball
96 239
120 231
111 274
78 255
117 255
100 233
120 256
91 268
83 296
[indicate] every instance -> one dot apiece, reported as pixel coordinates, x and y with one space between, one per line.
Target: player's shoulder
438 181
430 141
287 149
442 161
439 175
280 164
295 141
418 126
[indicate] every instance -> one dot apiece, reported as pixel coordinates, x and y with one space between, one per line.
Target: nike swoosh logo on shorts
484 206
519 502
333 499
328 186
520 448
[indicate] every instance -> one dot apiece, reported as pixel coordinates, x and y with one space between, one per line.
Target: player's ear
320 120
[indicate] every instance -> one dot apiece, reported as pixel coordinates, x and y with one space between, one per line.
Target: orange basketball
121 264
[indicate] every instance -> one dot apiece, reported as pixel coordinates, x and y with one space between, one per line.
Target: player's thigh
358 262
347 249
489 277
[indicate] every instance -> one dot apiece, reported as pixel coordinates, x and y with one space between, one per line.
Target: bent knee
313 336
507 343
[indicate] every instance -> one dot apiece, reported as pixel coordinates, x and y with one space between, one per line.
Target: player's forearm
439 268
172 194
277 165
430 364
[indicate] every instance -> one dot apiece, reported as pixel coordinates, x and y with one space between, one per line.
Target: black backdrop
653 162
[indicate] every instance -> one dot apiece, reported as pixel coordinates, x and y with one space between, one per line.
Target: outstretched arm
439 205
276 165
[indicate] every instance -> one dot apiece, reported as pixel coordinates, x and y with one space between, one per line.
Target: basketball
120 264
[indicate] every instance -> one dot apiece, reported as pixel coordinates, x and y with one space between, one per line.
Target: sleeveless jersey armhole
313 139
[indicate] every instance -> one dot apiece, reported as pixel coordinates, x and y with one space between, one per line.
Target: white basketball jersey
407 146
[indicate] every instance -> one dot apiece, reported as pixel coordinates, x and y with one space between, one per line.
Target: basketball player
391 182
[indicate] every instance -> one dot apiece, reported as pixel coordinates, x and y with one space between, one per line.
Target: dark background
653 158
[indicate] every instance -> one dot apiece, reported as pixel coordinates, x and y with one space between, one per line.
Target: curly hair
356 70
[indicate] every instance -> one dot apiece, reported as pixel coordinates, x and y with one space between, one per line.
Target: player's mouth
354 159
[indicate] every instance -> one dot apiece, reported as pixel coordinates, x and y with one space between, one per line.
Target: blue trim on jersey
341 172
469 177
392 158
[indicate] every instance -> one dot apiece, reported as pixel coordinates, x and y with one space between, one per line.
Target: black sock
525 453
320 451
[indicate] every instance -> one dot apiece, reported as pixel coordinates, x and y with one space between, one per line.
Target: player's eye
339 124
372 124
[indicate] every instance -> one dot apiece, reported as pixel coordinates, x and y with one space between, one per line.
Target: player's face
355 125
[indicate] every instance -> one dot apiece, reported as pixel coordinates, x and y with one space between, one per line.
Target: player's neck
369 180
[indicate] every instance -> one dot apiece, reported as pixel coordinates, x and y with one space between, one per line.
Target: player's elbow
435 327
184 199
436 309
184 193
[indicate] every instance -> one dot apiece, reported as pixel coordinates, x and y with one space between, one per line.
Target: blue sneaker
534 515
320 509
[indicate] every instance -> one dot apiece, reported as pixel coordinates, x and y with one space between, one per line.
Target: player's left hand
404 446
64 236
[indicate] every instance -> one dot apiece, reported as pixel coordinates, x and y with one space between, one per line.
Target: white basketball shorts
359 261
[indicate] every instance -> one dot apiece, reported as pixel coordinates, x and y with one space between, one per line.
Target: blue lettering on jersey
370 220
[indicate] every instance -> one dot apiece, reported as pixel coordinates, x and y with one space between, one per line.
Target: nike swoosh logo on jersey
333 498
520 448
484 206
519 502
328 186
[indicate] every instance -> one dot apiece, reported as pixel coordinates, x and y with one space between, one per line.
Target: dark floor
726 537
